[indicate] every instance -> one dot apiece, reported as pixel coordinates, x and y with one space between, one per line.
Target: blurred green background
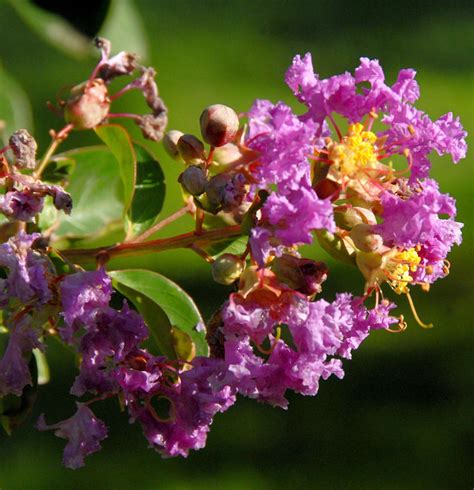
403 415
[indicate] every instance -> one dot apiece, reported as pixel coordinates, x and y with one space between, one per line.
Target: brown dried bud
302 275
123 63
153 126
227 268
191 148
24 148
193 180
219 124
170 142
89 104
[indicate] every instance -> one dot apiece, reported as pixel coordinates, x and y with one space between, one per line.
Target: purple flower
415 222
14 371
283 142
411 129
408 128
320 332
110 337
83 431
28 271
295 214
21 205
193 400
83 295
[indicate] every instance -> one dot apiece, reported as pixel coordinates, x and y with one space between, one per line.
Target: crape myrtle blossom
14 371
407 127
294 210
189 399
113 364
257 192
25 293
321 334
414 221
29 271
83 431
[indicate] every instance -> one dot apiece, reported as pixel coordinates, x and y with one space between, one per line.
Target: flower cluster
279 181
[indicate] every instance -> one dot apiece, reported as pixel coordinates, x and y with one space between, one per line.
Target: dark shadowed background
403 415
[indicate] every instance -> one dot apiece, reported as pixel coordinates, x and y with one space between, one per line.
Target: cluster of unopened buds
270 181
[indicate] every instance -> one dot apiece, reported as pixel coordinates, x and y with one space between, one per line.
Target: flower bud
302 275
193 180
190 148
24 148
219 124
365 239
353 216
227 268
170 142
88 106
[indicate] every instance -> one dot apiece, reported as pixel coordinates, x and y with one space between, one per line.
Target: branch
187 240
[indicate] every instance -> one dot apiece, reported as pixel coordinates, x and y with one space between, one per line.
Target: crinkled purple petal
83 431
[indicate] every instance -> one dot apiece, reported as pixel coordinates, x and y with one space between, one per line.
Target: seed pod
227 268
170 142
88 106
191 148
193 180
219 124
365 239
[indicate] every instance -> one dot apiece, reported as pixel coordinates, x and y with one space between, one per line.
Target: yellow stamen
355 151
415 314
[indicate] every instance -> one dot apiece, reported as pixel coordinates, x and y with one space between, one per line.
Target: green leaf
124 27
149 192
95 186
180 309
15 109
183 345
53 29
58 170
119 143
234 246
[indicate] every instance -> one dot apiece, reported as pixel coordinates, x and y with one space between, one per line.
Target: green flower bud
193 180
88 106
170 142
191 148
353 216
219 124
227 268
365 239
